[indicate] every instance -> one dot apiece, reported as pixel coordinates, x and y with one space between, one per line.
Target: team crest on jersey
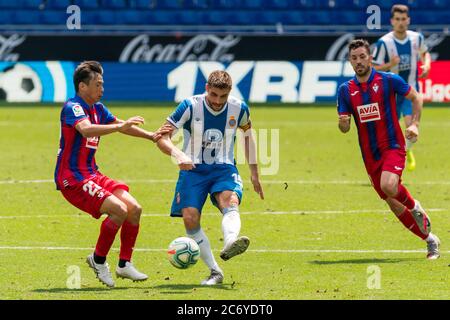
369 112
232 121
375 88
78 110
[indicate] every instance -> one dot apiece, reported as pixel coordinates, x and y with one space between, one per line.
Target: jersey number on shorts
92 188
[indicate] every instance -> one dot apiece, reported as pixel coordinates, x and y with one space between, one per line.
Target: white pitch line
295 212
250 250
304 182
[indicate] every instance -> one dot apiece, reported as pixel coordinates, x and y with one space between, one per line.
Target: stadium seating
216 12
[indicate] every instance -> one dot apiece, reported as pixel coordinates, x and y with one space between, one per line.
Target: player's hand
167 128
344 118
133 121
184 162
395 61
412 132
425 71
257 186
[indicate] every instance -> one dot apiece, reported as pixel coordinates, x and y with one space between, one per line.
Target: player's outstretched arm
166 145
412 132
250 156
344 123
88 130
141 133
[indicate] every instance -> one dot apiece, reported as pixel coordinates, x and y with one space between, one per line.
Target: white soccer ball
20 83
183 252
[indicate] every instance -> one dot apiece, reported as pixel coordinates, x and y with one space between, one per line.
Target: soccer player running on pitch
83 120
209 122
370 98
398 52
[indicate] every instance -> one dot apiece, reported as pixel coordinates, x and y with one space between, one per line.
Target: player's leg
128 236
409 211
228 203
191 219
117 213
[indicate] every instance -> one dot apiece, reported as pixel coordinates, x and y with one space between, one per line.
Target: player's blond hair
219 79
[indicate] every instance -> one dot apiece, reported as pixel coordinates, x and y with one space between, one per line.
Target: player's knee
390 188
191 220
135 210
120 212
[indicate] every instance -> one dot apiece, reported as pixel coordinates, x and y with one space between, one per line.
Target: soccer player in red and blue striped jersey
83 120
370 97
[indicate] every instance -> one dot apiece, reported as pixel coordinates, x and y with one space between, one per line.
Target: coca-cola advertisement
145 48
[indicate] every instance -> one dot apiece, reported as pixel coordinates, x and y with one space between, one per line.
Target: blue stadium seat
277 4
26 17
31 4
189 17
216 17
252 4
195 4
6 17
168 4
224 4
303 4
106 17
57 17
142 4
132 17
320 17
113 4
6 4
158 17
243 17
295 17
343 4
86 4
433 4
269 17
57 4
349 17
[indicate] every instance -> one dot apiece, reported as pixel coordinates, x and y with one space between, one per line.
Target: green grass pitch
321 233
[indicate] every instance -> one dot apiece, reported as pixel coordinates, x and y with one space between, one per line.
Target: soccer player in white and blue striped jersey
209 122
399 52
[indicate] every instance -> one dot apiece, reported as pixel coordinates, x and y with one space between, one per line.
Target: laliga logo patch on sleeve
78 110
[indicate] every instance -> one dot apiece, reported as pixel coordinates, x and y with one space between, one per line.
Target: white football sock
431 237
231 224
205 248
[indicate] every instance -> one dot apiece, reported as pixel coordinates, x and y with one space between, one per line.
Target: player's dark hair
85 72
357 43
400 8
219 79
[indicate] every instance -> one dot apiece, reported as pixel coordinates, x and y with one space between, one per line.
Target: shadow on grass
363 261
67 290
185 288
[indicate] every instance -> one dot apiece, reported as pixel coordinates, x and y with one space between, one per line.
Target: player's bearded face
361 61
216 97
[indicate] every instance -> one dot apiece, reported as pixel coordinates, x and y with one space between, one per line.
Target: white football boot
101 271
433 245
234 248
216 277
130 272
